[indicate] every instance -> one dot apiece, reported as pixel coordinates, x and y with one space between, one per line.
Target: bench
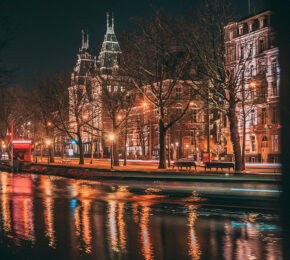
221 165
187 165
65 160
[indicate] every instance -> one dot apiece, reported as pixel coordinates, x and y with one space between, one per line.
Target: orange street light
252 84
48 123
144 104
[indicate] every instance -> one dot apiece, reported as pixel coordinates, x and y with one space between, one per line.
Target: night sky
48 32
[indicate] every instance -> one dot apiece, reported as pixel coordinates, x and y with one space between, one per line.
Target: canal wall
81 172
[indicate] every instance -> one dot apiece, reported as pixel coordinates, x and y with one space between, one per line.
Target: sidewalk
152 166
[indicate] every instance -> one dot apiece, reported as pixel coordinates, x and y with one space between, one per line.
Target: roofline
251 16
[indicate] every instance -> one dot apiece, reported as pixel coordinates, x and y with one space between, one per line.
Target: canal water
48 217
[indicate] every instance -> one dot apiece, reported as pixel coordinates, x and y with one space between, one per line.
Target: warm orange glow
145 234
119 117
144 104
194 247
252 84
48 142
48 123
111 137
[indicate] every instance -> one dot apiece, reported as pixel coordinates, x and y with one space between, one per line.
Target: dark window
251 50
178 93
261 45
242 52
263 116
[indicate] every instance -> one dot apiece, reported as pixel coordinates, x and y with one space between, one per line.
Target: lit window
253 117
253 143
276 143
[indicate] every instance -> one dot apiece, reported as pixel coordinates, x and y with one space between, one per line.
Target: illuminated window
253 117
276 143
253 143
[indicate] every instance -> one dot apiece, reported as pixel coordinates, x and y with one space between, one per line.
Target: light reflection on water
60 218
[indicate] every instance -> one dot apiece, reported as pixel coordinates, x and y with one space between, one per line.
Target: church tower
108 58
85 62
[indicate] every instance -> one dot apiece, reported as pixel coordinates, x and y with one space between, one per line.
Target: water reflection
91 219
48 211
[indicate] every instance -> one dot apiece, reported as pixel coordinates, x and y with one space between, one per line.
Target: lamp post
111 137
48 142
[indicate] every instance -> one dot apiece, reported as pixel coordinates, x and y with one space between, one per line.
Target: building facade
252 54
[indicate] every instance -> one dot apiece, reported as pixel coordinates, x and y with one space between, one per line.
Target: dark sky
48 32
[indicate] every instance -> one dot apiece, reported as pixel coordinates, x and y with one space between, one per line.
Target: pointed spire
108 25
112 20
87 45
83 38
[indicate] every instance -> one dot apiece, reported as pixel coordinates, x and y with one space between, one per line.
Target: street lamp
111 137
48 142
252 84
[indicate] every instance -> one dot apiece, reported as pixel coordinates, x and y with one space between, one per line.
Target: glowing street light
252 84
111 137
144 104
48 142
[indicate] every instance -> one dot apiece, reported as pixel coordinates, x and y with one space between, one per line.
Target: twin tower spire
85 36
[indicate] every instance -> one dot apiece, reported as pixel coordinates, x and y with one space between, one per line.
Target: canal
49 217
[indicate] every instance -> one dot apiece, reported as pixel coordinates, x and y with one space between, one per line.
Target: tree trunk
162 133
168 155
116 151
115 145
244 140
51 153
81 149
125 148
235 137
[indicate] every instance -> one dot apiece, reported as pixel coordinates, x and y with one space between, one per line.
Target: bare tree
205 40
154 61
117 97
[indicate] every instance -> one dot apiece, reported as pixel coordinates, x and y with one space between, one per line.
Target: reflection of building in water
116 223
81 214
22 204
194 247
246 239
48 204
5 201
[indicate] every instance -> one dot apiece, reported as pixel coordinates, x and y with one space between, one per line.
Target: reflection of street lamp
111 137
